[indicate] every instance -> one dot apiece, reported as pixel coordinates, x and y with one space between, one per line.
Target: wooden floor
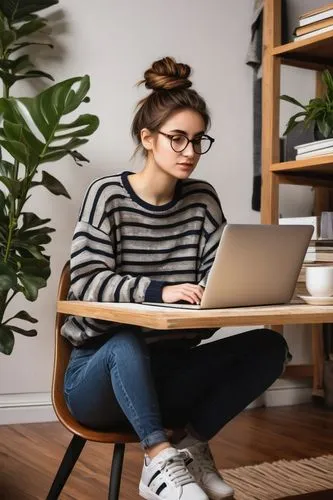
30 453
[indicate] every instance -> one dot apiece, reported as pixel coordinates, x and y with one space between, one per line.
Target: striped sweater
126 250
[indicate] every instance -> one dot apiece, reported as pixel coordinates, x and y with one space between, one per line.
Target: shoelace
177 471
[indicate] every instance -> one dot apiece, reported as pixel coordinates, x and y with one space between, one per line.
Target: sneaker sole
213 496
146 492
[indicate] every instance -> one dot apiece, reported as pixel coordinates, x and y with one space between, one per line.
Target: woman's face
181 164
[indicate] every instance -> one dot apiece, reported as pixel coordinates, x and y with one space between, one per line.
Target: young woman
152 236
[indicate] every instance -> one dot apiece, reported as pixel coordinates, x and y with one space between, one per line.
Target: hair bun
167 74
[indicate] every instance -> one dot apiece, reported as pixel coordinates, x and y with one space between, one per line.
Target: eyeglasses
179 142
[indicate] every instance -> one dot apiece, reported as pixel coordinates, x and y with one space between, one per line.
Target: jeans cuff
154 438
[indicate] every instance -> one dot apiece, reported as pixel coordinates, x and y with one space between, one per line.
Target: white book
314 145
318 152
313 220
315 17
309 258
313 33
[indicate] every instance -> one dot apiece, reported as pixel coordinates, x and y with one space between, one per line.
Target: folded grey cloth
254 59
254 53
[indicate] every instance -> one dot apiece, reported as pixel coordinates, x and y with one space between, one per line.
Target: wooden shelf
315 171
298 371
312 53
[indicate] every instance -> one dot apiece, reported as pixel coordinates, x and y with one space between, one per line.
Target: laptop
255 264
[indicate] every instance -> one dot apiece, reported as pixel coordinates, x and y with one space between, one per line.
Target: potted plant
318 112
33 132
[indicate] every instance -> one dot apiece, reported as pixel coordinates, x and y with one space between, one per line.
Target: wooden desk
161 318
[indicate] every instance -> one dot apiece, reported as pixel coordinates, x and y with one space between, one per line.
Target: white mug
319 281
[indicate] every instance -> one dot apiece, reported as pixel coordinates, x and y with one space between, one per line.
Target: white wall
114 42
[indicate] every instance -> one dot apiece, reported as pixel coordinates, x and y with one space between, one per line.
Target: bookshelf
314 53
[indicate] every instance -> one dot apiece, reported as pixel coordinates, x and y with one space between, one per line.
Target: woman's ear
147 139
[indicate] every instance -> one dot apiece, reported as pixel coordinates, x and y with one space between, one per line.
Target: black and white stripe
126 250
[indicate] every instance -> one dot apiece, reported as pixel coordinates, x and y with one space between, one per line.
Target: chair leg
72 454
116 469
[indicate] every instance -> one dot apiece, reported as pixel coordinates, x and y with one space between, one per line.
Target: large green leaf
8 277
6 168
30 27
53 185
50 106
292 100
87 125
29 234
37 238
31 285
6 340
24 315
56 153
328 81
18 9
293 122
33 131
14 187
22 331
17 150
12 131
324 128
2 200
34 250
7 37
32 220
20 63
33 267
19 46
329 119
10 78
46 110
34 73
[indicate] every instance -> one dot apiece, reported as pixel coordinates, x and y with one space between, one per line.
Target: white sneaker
166 477
199 461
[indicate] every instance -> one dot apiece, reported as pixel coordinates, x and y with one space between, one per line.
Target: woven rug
284 478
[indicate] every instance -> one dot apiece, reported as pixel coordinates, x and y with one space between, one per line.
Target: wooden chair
81 434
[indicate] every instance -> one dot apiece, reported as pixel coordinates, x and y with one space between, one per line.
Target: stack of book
320 251
316 148
315 22
312 220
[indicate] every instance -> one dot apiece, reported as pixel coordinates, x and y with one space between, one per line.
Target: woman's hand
185 291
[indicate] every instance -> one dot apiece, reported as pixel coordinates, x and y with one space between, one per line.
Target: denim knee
123 346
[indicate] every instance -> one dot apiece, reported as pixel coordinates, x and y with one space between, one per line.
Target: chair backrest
62 353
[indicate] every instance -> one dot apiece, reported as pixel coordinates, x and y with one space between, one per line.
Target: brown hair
169 82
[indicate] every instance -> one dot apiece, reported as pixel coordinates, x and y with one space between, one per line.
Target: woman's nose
189 150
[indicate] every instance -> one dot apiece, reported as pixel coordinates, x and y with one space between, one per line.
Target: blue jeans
167 384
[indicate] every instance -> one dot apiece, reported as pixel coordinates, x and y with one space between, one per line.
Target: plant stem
12 216
10 298
5 91
5 85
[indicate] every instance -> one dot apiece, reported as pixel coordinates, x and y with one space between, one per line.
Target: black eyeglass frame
193 141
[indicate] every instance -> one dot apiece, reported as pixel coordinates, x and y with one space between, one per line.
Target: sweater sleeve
215 222
93 271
